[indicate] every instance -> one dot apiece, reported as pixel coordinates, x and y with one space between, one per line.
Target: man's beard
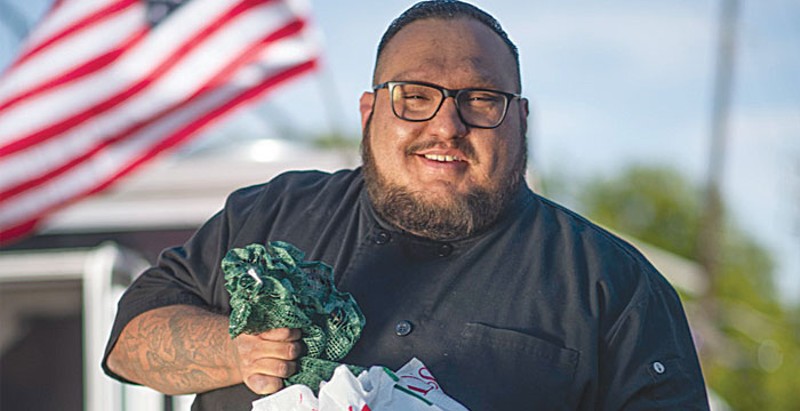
460 217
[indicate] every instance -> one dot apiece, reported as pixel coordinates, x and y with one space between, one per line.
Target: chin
439 200
441 192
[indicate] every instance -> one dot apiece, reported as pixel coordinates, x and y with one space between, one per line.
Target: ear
523 114
366 103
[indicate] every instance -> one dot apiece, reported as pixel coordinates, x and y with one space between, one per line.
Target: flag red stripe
250 53
19 230
33 182
289 29
75 27
215 114
55 129
82 70
57 4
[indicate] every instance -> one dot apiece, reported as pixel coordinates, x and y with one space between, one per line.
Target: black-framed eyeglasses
418 101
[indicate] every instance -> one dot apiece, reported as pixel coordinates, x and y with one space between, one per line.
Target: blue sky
611 83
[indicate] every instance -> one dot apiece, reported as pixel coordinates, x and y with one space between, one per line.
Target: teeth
442 158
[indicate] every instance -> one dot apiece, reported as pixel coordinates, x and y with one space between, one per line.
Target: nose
447 122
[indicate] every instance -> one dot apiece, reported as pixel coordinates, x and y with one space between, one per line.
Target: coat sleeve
649 361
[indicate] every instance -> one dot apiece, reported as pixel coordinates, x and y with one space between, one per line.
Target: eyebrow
482 81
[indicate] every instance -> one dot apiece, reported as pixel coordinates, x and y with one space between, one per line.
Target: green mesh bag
273 287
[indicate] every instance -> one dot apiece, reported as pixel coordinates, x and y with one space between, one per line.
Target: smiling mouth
442 158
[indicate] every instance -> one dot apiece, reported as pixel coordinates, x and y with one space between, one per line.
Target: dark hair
446 10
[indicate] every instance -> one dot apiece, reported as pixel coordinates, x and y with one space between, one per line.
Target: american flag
102 86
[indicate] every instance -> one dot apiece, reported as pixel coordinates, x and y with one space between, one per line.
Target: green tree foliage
656 205
336 141
751 353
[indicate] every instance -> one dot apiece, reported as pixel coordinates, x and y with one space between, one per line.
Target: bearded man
512 301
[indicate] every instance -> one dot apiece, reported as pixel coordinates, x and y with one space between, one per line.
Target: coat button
445 250
382 238
403 328
658 367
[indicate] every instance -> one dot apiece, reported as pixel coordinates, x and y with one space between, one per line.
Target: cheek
387 144
513 143
503 155
390 137
497 151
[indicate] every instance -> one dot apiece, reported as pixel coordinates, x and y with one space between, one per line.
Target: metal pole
712 222
331 102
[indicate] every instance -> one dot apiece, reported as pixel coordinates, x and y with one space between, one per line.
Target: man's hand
182 349
266 359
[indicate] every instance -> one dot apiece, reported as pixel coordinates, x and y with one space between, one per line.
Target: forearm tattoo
179 349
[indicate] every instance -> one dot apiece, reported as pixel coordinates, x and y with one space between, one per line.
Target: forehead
459 52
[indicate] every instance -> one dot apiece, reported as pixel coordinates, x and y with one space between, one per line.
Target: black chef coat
544 310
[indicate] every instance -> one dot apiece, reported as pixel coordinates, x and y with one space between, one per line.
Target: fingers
270 375
263 384
275 368
267 358
254 347
281 334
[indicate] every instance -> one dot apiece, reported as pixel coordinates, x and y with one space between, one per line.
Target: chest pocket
500 369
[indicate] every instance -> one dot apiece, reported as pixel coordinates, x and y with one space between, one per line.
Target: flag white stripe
87 175
51 63
204 62
54 169
287 52
160 46
133 65
52 154
48 156
140 107
184 23
67 13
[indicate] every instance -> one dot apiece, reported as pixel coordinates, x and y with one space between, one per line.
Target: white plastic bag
293 398
411 388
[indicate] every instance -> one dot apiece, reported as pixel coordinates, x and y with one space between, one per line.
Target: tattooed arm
182 349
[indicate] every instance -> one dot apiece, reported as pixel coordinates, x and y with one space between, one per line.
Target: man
512 301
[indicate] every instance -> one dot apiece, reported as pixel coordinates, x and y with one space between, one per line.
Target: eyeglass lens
419 102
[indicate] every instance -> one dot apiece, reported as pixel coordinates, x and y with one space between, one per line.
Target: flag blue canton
159 10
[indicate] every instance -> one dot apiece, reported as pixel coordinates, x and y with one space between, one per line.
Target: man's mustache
460 144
